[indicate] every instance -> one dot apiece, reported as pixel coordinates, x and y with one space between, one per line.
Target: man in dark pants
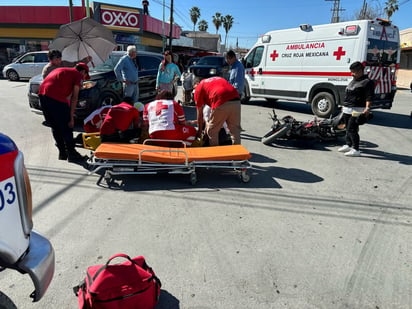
358 99
58 110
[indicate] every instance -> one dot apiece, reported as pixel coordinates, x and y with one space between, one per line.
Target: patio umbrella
82 38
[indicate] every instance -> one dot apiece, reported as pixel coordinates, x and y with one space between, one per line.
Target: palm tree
217 21
203 25
391 7
194 15
227 24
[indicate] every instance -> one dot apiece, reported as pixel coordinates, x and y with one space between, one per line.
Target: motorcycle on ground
289 128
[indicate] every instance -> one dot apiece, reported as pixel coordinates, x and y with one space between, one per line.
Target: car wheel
6 302
323 104
13 75
108 98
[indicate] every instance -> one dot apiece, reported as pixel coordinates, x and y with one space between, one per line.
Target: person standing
237 72
145 4
55 61
224 101
127 73
165 119
121 123
167 73
358 100
58 110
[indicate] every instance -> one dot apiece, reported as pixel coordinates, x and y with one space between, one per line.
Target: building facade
32 28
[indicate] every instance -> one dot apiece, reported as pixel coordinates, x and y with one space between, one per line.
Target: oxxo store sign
118 18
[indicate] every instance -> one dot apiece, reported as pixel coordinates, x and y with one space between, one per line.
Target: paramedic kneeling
121 123
224 101
165 119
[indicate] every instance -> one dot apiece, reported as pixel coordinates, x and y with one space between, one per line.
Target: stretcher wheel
193 178
244 176
107 177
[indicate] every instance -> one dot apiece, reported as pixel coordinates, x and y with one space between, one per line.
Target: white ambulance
311 63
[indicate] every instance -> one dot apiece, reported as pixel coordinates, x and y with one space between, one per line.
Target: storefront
32 28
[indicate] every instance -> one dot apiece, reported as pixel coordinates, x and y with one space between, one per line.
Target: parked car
21 248
103 88
209 66
26 66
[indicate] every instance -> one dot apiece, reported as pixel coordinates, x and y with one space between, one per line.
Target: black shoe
75 157
63 156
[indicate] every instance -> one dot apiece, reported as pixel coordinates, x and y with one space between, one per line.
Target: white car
26 66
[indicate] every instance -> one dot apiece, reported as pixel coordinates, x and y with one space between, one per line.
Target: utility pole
364 9
335 11
171 26
71 10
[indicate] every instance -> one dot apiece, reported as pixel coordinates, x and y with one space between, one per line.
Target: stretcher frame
119 167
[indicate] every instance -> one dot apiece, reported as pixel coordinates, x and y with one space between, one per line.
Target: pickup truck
21 248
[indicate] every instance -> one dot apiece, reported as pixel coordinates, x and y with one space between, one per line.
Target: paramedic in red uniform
58 110
224 101
165 119
121 123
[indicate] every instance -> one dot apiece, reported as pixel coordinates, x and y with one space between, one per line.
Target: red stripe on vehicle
7 165
306 73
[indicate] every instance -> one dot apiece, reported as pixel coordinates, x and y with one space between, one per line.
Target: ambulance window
254 57
382 52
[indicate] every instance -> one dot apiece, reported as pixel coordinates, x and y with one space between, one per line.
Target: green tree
217 21
391 7
227 22
194 16
203 25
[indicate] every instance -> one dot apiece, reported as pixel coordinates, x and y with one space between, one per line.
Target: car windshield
210 61
108 65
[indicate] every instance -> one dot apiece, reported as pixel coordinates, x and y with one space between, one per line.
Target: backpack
129 285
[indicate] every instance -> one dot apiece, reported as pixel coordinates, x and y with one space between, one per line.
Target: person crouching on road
58 110
358 100
165 119
121 123
224 101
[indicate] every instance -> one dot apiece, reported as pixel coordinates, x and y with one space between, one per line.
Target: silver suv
26 66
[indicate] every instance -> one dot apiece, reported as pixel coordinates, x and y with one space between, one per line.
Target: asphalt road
312 229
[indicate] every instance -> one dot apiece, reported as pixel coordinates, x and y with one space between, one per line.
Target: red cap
83 66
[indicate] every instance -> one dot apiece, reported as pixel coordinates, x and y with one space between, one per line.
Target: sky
251 18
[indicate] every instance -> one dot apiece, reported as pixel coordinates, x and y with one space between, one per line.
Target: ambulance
311 63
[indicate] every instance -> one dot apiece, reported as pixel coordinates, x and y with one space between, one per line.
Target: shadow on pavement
167 301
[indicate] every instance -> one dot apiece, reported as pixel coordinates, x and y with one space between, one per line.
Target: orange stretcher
125 159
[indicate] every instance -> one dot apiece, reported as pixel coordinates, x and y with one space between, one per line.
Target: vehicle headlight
88 84
212 71
34 88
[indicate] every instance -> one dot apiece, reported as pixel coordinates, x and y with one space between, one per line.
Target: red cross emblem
274 55
339 53
159 107
252 72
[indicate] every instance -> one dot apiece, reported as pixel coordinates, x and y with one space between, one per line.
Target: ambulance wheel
6 302
193 178
323 104
275 133
244 176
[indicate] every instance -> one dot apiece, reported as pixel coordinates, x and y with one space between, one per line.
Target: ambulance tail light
24 193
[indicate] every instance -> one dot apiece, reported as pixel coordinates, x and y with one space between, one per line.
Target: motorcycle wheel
6 302
275 133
